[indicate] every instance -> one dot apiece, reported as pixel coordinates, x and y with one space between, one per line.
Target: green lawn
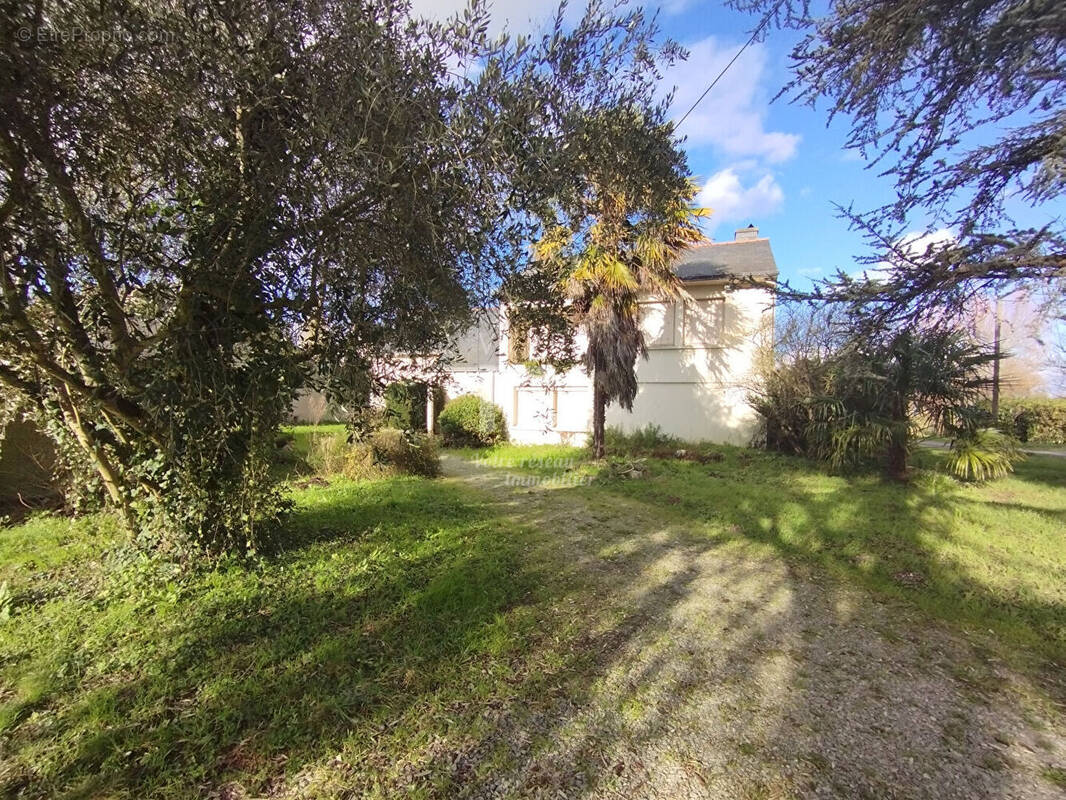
403 611
987 555
395 599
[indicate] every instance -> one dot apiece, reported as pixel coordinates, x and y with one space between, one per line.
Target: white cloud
918 243
732 118
518 16
672 6
524 16
732 201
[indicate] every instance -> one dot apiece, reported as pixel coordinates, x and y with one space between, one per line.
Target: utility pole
995 364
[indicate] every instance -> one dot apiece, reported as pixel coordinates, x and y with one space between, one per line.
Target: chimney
744 234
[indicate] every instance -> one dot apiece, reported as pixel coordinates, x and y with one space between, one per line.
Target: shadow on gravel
434 641
734 668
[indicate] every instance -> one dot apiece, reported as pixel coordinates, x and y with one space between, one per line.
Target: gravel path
716 673
939 444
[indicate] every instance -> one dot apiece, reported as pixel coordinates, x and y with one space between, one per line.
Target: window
705 323
657 322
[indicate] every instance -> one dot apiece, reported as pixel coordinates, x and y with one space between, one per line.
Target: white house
693 383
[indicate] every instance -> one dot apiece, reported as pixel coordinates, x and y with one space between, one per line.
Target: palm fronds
984 454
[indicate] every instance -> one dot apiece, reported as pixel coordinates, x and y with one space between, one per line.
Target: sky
770 163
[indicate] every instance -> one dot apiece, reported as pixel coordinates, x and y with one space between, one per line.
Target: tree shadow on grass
635 638
1047 470
879 535
388 659
267 668
737 668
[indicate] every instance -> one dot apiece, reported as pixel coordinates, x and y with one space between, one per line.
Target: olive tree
206 205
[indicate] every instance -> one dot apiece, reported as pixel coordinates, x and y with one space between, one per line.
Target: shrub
788 404
983 455
1035 420
868 399
649 438
327 453
405 405
469 421
407 453
385 452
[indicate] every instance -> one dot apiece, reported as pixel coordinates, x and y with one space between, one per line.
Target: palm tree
628 252
882 389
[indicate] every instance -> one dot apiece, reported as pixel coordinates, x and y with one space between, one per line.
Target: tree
205 206
848 400
962 102
622 242
885 388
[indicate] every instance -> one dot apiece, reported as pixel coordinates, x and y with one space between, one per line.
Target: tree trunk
599 415
108 474
898 443
897 459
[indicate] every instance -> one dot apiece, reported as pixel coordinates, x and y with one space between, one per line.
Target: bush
385 452
469 421
1034 420
642 440
868 399
405 405
327 453
406 453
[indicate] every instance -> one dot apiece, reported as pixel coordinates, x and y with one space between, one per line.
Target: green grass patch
395 601
1055 775
407 622
538 459
991 556
302 435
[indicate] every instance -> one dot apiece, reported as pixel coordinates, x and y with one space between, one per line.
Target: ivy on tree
230 201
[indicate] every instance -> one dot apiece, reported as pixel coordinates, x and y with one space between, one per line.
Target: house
701 356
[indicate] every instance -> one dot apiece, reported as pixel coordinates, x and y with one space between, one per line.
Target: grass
1056 776
373 655
395 600
304 435
987 556
1054 447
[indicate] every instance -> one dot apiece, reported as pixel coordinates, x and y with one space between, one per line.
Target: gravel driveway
718 671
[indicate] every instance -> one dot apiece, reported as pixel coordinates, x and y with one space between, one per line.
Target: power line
724 70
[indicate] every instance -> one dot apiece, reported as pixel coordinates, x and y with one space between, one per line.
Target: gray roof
748 257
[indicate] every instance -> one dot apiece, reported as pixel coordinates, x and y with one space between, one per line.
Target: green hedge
469 421
1033 420
405 405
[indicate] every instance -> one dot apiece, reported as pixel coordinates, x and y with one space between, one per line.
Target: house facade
694 383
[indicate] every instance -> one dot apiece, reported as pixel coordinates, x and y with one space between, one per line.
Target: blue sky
774 164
